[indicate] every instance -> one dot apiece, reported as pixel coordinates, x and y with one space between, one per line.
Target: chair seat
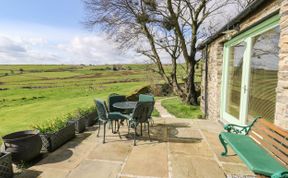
116 116
257 159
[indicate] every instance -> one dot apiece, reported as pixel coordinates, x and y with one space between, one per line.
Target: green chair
148 98
140 116
112 99
105 117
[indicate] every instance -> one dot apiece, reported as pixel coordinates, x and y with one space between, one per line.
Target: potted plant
90 114
80 122
6 170
55 133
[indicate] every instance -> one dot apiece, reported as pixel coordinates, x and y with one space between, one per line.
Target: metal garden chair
140 116
105 117
148 98
112 99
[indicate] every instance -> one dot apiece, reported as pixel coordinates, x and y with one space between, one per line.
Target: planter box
6 170
23 145
91 119
52 141
80 124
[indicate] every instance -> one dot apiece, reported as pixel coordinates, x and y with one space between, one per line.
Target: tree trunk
191 97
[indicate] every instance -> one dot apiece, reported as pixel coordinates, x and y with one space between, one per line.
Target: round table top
125 105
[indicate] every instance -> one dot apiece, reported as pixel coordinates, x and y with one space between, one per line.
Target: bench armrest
240 129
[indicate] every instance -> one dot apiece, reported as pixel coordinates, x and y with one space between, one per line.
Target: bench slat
267 135
279 155
280 131
272 138
272 133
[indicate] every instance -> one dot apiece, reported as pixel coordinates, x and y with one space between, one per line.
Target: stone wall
281 115
215 57
215 60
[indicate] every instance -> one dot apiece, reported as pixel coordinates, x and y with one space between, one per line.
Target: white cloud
85 49
96 50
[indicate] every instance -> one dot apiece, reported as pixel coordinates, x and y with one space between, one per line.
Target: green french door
250 70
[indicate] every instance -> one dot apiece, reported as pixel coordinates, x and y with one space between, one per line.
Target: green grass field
181 110
31 94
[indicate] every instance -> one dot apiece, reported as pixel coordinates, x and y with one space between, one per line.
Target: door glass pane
263 76
234 79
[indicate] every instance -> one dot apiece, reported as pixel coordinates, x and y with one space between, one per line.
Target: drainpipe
206 82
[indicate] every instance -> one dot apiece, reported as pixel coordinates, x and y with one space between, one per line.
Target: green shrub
51 126
83 112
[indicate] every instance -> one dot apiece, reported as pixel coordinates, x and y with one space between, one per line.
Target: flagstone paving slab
67 157
184 166
217 147
96 169
115 151
235 169
196 148
43 173
147 160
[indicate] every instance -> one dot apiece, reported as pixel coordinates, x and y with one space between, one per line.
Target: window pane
234 79
263 76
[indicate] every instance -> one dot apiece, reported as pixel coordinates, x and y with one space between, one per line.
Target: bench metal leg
224 145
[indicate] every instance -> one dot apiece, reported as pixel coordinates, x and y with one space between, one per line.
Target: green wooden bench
261 145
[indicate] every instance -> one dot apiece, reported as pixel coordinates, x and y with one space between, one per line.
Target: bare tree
242 4
157 28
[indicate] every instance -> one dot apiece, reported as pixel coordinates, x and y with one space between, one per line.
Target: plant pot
23 145
52 141
80 124
91 118
6 170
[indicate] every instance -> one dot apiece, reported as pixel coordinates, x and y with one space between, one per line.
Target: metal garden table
125 105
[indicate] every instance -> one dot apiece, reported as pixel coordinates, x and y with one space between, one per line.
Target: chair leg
135 136
224 145
104 132
141 129
111 123
119 129
129 125
115 125
149 131
152 121
99 126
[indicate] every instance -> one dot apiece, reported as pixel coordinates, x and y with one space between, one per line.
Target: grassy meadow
31 94
181 110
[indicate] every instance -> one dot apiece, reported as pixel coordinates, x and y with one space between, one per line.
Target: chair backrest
101 110
146 98
272 138
141 112
114 99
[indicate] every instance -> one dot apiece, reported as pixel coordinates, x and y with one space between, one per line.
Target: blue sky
60 13
51 32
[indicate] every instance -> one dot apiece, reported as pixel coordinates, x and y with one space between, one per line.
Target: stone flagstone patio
180 148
